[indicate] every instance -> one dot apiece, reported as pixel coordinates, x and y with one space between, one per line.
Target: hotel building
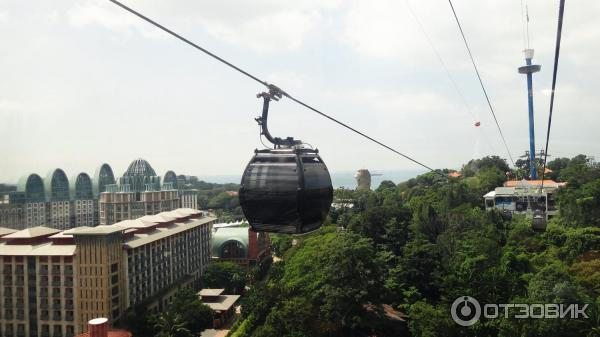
61 203
53 282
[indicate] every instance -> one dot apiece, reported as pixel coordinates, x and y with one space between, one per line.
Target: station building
240 244
524 197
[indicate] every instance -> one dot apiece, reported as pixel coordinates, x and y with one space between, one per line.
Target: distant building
188 198
223 306
138 193
53 282
55 201
363 179
58 202
239 244
524 197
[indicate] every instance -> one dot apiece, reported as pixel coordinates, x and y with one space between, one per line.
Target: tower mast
529 69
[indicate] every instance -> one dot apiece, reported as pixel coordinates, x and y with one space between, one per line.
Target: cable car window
274 159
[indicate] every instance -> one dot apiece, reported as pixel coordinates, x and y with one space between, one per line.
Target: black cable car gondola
286 189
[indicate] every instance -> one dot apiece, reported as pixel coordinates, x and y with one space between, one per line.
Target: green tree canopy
227 275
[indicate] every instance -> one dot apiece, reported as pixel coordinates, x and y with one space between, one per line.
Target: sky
84 83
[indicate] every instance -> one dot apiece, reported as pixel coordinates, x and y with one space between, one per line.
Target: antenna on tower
527 23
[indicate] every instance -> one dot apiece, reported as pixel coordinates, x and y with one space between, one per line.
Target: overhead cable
481 82
265 83
446 70
561 12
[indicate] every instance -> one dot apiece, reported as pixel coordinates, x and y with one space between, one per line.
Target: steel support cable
265 83
439 57
561 12
446 70
487 98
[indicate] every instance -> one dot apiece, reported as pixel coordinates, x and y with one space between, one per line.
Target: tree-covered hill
421 244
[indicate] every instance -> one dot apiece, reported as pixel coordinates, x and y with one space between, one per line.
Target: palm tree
171 325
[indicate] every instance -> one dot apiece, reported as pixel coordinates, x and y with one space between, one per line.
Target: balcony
19 282
68 295
19 271
8 282
56 305
44 305
55 271
20 305
7 271
69 306
56 283
43 271
68 283
68 271
56 318
43 283
69 318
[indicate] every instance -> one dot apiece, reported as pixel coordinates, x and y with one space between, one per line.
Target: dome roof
56 185
170 177
102 177
140 168
224 235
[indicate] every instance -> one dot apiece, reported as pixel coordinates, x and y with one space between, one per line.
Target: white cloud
290 80
264 26
382 78
11 105
389 29
397 102
3 17
98 13
280 31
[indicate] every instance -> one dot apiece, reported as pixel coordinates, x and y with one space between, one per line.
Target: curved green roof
170 177
56 185
81 187
223 235
33 186
22 183
102 176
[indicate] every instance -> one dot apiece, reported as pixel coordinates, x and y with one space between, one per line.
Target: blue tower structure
529 69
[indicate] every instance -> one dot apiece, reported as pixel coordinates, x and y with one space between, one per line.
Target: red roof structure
515 183
99 327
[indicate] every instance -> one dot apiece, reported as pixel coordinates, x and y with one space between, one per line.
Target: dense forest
417 246
221 198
